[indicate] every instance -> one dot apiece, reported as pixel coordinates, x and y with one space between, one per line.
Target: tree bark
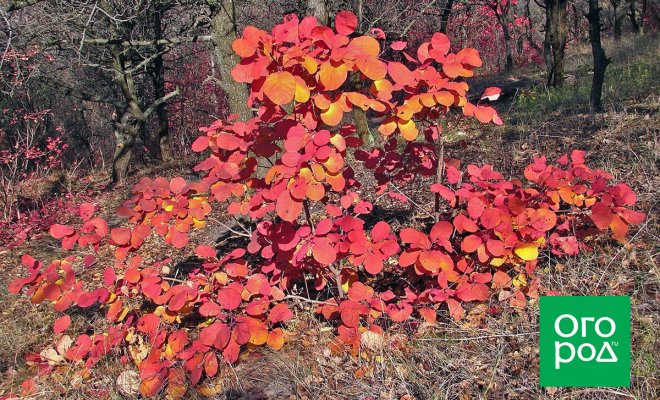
319 10
501 9
126 130
619 14
600 60
223 33
159 87
632 14
529 30
555 40
446 13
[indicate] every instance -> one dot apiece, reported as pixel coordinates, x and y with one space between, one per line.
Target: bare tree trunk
632 14
159 87
319 9
446 13
600 60
619 14
507 48
223 33
502 11
555 40
126 130
529 29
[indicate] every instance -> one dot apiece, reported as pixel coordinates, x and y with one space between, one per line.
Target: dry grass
483 356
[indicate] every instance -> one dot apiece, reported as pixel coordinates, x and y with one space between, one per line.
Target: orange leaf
363 46
280 87
332 76
276 339
400 73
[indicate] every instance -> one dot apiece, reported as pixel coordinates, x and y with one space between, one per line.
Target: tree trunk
319 9
632 14
223 33
446 13
502 10
600 60
619 14
529 30
507 47
126 130
555 40
159 88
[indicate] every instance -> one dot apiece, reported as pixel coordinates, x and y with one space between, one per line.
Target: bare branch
160 101
135 43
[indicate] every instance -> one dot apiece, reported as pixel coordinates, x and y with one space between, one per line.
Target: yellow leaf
302 91
527 251
520 280
408 130
496 262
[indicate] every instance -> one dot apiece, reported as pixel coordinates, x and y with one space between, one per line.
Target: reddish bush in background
30 152
192 71
312 235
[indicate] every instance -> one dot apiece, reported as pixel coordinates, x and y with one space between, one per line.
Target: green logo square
585 341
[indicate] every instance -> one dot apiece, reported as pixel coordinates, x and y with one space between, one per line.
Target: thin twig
305 299
411 200
478 337
229 228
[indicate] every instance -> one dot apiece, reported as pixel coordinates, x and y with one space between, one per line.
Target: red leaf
323 251
87 299
472 292
428 314
287 208
471 243
200 144
475 207
211 364
120 236
601 214
455 309
380 231
399 313
373 264
400 73
280 313
440 42
86 211
350 315
490 218
345 22
148 323
62 324
210 309
59 231
398 45
229 298
491 93
359 292
501 280
80 349
205 251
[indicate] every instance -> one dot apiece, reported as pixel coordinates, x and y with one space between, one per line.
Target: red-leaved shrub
312 232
